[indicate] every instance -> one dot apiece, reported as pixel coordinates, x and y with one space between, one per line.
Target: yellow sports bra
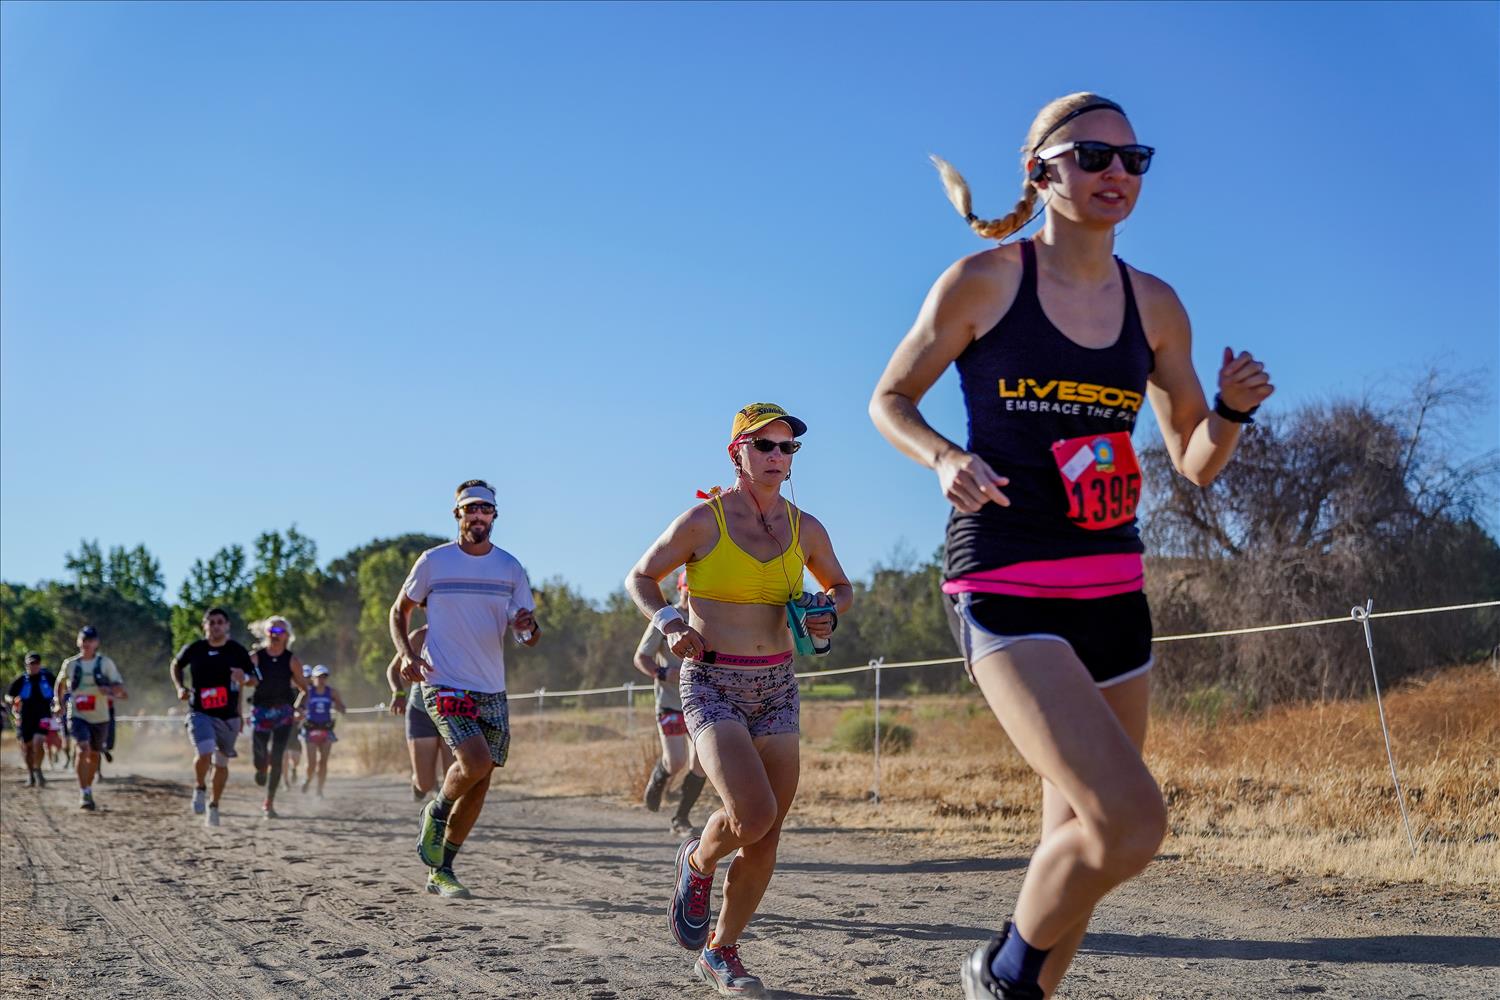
729 573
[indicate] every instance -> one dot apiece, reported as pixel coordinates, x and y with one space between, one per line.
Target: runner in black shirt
31 696
220 666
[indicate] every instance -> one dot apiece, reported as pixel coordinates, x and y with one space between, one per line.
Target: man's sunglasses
275 630
766 446
479 508
1095 157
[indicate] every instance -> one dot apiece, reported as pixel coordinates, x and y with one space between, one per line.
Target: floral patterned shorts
763 699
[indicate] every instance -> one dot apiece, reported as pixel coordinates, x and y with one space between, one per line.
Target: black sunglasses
766 446
481 508
1095 157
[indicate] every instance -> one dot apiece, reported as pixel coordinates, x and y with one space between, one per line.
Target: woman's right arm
693 532
961 306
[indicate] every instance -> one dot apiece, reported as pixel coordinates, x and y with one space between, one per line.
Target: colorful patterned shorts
460 715
268 717
764 700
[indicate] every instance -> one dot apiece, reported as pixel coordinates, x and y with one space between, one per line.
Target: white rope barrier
631 688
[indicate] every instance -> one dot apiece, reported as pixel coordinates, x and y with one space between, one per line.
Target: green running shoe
442 882
430 842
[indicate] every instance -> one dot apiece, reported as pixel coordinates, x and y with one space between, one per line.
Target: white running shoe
213 816
200 796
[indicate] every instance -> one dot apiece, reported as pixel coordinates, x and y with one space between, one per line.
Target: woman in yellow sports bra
745 550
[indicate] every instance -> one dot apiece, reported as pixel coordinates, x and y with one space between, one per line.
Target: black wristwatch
1233 416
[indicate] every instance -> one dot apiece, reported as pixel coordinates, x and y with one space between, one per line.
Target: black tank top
1026 386
275 687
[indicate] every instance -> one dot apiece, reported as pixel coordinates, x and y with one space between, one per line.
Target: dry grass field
1302 790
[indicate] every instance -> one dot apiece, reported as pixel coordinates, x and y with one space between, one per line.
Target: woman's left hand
1243 382
819 626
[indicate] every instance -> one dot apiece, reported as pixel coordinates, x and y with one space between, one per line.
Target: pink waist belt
1080 577
731 660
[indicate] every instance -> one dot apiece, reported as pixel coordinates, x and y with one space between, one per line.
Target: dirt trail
140 900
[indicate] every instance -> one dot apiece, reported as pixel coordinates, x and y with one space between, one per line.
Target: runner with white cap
474 592
317 705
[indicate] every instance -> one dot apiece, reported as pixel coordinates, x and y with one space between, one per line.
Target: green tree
379 579
28 621
284 580
336 638
118 592
222 581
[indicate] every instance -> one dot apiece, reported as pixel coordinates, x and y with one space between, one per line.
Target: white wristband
664 617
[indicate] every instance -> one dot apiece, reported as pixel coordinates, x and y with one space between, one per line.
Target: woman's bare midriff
740 629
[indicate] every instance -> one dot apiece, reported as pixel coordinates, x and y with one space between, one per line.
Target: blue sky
274 264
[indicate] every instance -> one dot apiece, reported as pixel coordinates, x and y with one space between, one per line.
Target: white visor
476 494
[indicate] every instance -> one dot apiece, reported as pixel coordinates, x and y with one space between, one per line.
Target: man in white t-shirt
474 593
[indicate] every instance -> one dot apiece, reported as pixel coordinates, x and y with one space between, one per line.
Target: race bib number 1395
1101 477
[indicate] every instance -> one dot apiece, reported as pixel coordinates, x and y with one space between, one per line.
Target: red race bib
213 697
83 702
456 704
1101 477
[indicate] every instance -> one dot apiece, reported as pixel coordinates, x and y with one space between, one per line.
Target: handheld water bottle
798 611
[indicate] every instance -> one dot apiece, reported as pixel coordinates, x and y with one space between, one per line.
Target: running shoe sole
459 893
430 840
757 989
678 920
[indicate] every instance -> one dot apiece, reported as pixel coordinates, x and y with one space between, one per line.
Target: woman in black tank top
278 680
1058 343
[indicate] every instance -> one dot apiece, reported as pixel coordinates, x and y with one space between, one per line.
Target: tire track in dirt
140 900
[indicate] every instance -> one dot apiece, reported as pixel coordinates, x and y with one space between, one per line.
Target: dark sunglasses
481 508
1095 157
766 446
275 630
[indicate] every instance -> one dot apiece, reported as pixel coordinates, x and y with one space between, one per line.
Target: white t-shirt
470 603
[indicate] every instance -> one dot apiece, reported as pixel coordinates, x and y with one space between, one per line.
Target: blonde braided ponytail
1047 121
992 229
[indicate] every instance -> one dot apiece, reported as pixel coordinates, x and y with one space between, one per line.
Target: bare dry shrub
1319 510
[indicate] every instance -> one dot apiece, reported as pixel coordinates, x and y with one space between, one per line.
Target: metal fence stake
630 708
1362 615
875 665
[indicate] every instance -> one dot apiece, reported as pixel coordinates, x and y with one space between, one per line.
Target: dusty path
139 900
